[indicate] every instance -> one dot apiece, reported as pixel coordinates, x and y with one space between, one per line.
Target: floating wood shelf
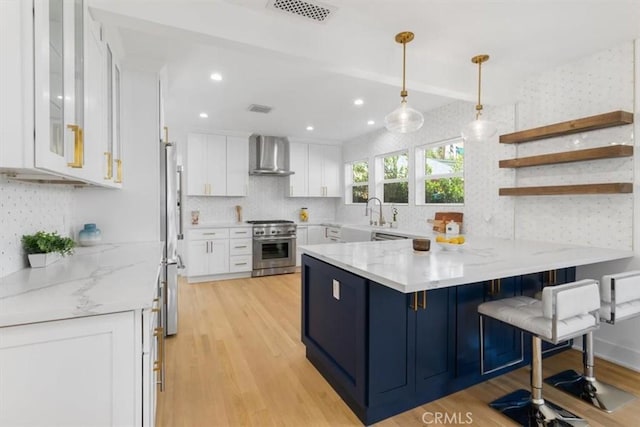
601 121
557 190
609 152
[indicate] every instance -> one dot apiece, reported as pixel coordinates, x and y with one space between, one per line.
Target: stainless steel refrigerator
171 232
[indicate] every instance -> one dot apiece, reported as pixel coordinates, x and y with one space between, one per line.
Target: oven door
270 252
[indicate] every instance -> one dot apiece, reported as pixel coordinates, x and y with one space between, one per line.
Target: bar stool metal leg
585 386
530 409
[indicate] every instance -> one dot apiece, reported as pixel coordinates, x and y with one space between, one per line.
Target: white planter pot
42 260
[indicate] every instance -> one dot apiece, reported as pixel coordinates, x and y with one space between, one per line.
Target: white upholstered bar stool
619 300
565 311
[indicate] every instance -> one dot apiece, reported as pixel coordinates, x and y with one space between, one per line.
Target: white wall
132 213
27 208
485 213
600 83
621 343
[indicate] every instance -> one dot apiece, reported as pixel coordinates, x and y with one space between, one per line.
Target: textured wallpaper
27 208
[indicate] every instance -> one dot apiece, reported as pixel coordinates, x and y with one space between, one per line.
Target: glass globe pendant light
404 119
479 129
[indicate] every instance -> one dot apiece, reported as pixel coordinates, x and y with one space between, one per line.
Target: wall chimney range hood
269 155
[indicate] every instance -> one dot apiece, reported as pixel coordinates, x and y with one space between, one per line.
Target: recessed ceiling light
371 122
309 128
216 76
204 115
358 102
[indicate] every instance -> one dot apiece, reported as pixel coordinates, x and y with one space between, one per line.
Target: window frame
421 176
381 181
350 183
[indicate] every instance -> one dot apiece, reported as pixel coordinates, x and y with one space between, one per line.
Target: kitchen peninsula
391 329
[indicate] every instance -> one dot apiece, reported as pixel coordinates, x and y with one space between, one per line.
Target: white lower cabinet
217 253
315 235
301 239
78 372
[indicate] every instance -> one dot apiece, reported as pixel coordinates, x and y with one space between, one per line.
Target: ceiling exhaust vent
315 11
264 109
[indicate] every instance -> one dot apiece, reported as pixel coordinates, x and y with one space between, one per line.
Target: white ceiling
310 73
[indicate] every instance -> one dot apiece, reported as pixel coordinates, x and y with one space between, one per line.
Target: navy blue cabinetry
334 326
435 325
385 351
500 345
391 346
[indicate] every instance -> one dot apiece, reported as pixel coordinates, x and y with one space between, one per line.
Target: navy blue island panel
385 352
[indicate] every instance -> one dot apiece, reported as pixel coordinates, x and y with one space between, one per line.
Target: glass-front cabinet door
59 85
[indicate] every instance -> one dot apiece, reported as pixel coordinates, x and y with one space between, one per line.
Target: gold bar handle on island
423 304
414 306
109 156
78 146
118 179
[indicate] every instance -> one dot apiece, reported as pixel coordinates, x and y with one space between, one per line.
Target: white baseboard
614 353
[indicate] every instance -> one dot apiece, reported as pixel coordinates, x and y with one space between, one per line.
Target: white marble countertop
395 263
101 279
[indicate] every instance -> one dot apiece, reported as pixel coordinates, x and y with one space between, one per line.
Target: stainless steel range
274 247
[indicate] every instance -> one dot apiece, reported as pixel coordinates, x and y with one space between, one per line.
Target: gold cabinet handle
423 304
166 134
118 179
109 157
495 287
78 146
159 333
414 306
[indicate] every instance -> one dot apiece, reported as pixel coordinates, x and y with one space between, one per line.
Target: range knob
273 231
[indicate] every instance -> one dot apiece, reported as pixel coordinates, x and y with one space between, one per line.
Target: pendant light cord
479 106
403 94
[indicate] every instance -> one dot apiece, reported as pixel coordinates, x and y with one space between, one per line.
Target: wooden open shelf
609 152
557 190
600 121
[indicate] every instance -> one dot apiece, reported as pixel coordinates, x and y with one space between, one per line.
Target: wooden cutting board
442 218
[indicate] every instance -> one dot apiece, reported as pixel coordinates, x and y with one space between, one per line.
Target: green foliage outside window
360 187
444 159
396 167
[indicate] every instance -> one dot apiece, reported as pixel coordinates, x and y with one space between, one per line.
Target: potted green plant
45 248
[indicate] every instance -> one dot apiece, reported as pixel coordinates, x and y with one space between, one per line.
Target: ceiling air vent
264 109
317 12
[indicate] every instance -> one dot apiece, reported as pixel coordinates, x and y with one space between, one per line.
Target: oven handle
266 238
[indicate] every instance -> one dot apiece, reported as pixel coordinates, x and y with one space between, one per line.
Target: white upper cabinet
237 166
299 162
317 170
54 112
217 165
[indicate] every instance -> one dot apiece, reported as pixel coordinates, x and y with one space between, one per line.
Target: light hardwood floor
238 361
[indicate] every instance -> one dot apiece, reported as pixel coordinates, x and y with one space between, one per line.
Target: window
440 169
357 181
393 183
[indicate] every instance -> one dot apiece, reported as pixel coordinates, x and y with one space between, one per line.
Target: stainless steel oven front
274 249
